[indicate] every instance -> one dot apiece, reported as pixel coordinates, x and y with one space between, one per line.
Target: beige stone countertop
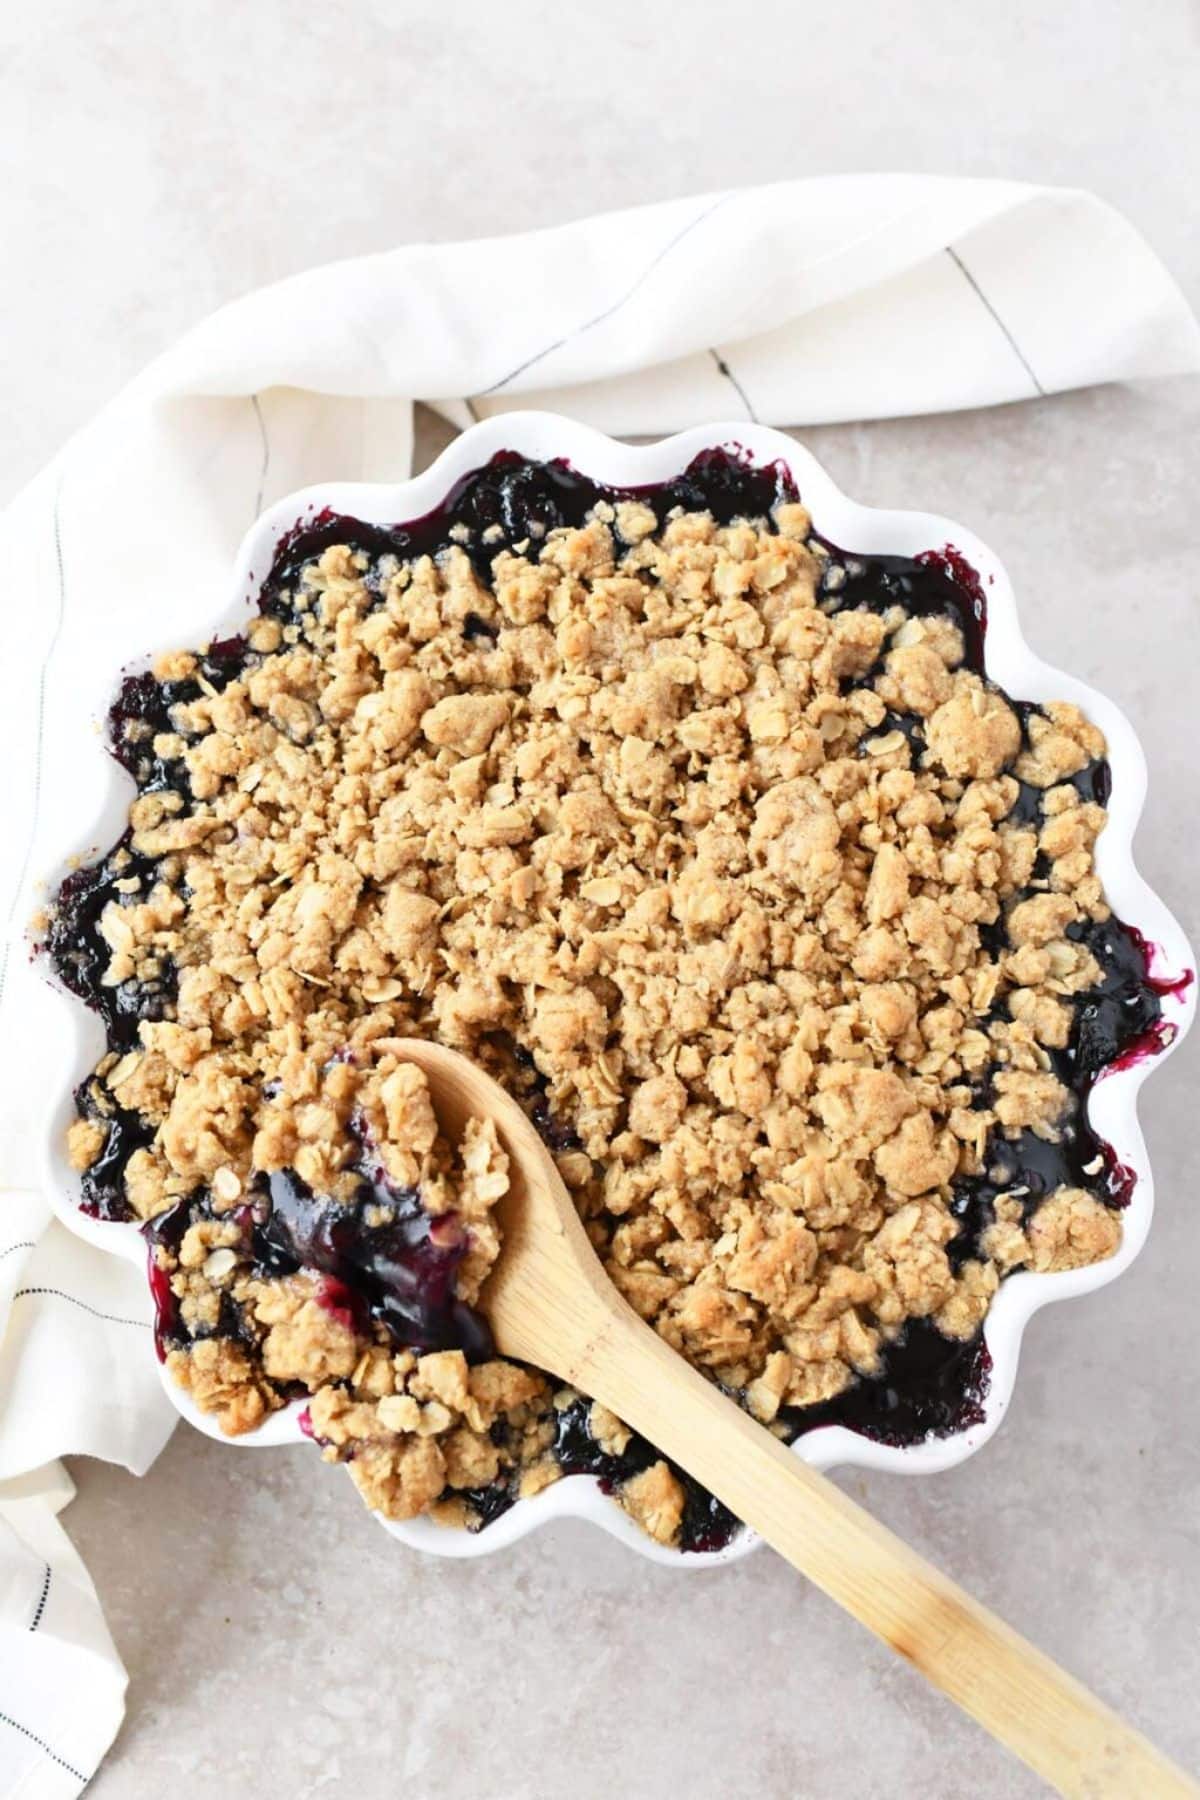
171 157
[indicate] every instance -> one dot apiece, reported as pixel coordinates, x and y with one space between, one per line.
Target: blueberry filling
1027 808
400 1274
706 1524
909 725
80 954
386 1261
144 708
1123 1010
530 1087
513 501
929 1385
166 1232
103 1184
484 1504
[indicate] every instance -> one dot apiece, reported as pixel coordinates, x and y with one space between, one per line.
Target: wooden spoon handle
1026 1701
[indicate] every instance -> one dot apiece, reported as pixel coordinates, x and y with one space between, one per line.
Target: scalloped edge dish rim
1008 660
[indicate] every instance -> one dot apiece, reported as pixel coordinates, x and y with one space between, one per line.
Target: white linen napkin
835 298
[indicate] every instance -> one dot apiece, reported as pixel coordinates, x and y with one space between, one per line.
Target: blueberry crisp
716 845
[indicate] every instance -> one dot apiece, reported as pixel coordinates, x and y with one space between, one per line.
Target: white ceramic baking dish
1009 661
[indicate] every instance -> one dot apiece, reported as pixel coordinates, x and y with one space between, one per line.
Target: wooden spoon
550 1303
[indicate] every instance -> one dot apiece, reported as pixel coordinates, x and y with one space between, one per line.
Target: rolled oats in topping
719 849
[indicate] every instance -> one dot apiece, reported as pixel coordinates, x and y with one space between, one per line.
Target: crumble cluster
413 1427
640 824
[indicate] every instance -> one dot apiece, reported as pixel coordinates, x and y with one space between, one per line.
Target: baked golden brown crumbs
769 907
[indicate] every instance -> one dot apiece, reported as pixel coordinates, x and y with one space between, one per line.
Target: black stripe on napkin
43 1745
1020 355
21 1244
41 1605
113 1318
615 306
724 369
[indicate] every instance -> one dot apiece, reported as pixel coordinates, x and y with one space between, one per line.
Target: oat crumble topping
718 850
